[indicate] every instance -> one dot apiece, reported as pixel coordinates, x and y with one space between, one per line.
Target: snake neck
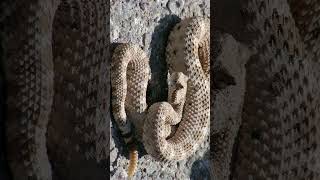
178 108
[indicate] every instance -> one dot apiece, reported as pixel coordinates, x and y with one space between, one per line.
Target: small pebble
144 5
175 6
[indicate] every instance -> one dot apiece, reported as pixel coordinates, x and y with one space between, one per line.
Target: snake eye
179 86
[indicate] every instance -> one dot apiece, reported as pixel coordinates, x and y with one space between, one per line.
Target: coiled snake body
171 130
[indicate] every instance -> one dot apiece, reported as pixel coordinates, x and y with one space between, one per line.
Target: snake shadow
200 170
157 89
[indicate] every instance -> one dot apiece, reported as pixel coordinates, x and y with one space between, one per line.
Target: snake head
177 86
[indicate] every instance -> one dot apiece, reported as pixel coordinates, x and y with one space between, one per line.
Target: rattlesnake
55 56
170 131
279 133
